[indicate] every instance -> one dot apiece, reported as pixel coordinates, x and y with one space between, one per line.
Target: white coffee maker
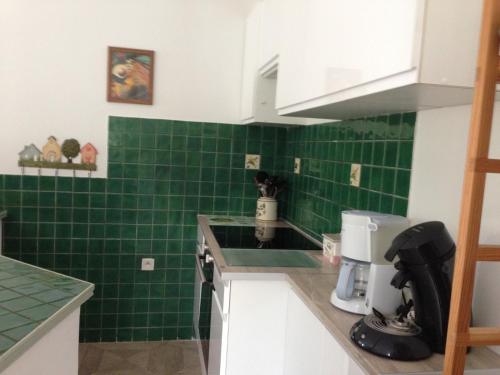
365 275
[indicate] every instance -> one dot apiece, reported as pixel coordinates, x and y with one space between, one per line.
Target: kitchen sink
268 258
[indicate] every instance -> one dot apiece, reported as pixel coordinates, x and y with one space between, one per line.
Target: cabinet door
310 348
354 369
216 327
345 43
250 63
292 63
335 359
262 41
304 335
271 30
257 324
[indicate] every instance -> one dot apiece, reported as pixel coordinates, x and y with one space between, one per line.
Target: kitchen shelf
57 165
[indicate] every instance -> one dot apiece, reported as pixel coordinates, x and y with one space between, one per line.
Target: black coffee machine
419 327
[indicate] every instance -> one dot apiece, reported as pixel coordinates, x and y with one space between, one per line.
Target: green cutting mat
268 258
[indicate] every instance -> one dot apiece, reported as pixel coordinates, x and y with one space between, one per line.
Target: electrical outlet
296 166
252 161
355 177
148 264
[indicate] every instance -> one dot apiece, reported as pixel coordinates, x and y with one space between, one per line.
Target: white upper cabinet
263 38
250 64
271 31
346 43
350 58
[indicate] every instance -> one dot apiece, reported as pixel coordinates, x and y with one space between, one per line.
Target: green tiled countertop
33 301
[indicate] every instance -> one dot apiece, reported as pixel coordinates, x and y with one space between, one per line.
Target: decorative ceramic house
88 154
52 150
30 152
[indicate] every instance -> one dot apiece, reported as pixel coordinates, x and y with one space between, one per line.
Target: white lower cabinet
304 336
335 360
354 369
257 322
309 347
268 330
216 333
55 353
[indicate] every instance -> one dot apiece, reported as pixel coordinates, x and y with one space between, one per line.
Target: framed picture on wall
130 75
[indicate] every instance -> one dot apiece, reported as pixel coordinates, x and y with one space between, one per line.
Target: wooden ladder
478 165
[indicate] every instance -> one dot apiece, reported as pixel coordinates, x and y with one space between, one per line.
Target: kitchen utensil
269 186
261 177
260 181
262 189
275 184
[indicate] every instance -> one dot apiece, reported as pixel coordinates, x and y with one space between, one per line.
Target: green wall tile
101 228
383 145
161 173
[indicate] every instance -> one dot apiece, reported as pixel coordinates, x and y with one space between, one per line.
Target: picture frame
130 75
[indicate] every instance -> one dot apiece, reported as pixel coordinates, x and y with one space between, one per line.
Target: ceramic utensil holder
267 209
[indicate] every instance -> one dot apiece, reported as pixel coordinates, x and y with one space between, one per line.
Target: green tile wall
382 145
160 175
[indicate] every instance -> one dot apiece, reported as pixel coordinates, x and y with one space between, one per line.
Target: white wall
436 189
53 57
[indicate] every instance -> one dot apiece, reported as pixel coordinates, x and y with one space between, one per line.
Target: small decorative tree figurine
70 149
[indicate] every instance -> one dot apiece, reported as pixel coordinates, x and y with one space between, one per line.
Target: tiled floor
140 358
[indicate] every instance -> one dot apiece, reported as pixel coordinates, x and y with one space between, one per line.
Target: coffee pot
364 272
